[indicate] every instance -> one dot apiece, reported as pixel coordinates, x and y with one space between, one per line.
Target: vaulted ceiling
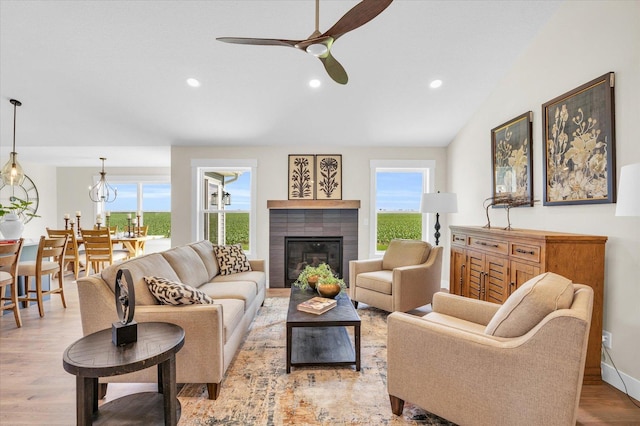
108 78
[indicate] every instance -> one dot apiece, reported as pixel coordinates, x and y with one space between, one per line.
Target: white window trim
400 165
198 168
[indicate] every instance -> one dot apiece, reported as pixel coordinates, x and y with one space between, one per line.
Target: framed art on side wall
579 155
329 177
512 159
301 177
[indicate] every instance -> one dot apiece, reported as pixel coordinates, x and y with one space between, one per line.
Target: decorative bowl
312 281
328 290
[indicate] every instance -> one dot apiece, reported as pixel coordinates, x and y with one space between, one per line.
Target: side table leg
167 370
289 341
86 399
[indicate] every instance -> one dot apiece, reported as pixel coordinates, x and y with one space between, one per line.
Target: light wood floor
35 389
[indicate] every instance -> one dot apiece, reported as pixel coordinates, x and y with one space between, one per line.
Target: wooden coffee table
322 339
95 356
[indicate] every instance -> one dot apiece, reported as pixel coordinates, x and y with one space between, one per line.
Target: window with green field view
227 209
151 200
398 193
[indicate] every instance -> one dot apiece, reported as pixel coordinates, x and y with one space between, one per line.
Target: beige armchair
475 362
405 278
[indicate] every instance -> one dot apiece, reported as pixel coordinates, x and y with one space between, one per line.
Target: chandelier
12 173
102 192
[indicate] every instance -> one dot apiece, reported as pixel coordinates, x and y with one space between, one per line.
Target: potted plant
310 275
330 286
11 225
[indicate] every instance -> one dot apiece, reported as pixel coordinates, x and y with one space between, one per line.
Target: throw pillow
174 293
530 303
231 259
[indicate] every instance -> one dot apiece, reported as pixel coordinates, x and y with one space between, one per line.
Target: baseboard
610 376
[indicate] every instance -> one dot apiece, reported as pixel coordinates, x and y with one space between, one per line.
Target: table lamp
439 202
628 203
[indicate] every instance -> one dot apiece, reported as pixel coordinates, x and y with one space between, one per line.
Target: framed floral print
578 131
329 177
512 159
301 177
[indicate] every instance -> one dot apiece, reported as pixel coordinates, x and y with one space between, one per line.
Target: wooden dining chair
49 261
9 257
98 250
142 232
73 255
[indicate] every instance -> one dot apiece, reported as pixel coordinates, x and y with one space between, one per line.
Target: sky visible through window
398 191
156 198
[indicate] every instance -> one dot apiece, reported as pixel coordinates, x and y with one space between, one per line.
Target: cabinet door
521 273
496 279
474 274
457 274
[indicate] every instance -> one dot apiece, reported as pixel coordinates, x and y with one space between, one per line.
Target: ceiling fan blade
259 41
334 69
359 15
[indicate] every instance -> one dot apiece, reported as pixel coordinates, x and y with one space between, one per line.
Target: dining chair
98 249
142 231
49 260
73 255
10 251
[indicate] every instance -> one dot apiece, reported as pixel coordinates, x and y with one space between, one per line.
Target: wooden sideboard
490 264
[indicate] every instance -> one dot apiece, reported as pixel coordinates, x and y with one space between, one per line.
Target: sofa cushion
405 253
153 263
231 259
242 290
257 277
174 293
204 249
379 281
188 265
530 303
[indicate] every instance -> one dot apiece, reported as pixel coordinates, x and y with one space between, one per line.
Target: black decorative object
126 330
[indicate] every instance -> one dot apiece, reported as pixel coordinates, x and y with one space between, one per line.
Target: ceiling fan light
317 49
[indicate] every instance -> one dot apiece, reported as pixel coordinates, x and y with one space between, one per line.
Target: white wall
582 41
272 182
43 178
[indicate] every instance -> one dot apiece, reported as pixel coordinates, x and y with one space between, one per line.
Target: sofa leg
397 405
102 390
355 303
214 390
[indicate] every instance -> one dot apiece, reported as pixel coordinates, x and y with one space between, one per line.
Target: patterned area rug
257 390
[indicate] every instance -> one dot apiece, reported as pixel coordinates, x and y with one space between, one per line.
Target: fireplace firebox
303 251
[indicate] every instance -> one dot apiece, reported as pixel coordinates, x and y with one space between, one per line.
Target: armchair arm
358 267
417 282
478 311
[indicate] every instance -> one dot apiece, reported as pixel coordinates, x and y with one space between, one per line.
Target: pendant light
102 192
12 173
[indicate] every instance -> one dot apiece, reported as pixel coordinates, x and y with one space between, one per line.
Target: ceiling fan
319 44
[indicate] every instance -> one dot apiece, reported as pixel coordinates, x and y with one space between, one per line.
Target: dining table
135 244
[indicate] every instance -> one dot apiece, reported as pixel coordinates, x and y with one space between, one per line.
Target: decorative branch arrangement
507 201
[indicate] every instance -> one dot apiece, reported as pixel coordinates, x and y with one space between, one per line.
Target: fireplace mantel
313 204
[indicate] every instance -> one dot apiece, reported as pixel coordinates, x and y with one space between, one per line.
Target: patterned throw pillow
173 293
231 259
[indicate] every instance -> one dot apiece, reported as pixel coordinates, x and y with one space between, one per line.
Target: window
226 203
397 188
149 198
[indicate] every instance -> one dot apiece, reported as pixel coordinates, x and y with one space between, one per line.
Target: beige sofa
479 363
405 278
213 332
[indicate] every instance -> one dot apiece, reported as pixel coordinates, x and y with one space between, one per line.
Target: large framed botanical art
329 177
301 177
512 159
578 129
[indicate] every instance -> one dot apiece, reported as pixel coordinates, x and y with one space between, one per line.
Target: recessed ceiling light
193 82
435 84
314 83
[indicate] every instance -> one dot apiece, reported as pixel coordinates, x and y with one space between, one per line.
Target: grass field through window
398 225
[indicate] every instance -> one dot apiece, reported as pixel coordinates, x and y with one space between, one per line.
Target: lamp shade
439 202
628 203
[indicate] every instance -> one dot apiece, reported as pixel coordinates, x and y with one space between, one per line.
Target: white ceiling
107 78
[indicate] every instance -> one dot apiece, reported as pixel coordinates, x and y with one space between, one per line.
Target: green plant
320 271
332 279
17 206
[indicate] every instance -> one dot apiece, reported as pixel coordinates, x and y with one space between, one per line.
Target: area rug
257 391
